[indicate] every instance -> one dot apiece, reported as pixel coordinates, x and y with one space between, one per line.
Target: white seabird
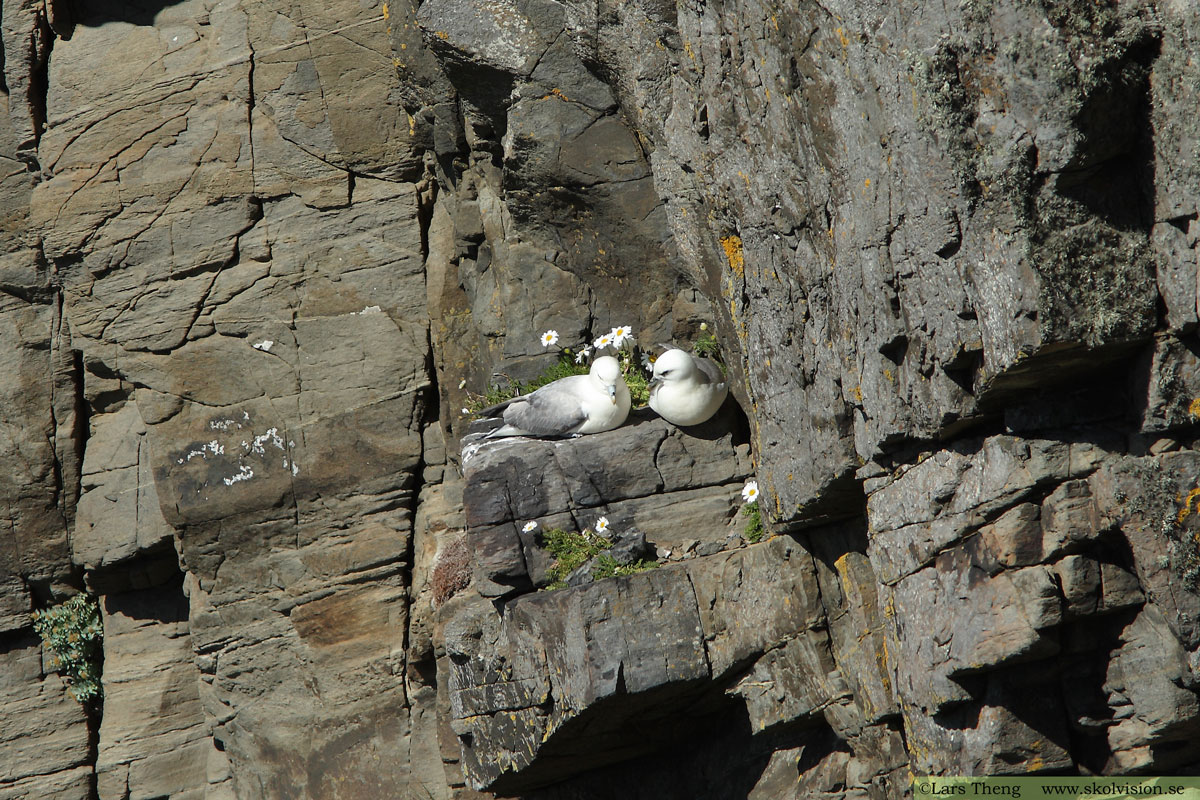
685 389
598 401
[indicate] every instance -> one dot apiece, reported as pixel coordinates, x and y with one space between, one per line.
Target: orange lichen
1186 510
732 244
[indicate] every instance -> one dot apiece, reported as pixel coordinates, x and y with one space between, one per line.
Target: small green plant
635 379
609 567
754 530
571 551
706 346
73 634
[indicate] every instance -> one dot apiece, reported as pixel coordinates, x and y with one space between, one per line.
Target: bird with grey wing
592 403
686 389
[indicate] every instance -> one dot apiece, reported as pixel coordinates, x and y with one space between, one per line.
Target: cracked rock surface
257 257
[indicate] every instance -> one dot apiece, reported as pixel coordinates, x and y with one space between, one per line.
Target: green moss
754 530
571 551
608 567
74 636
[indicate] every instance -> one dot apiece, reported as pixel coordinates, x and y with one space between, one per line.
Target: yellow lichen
1186 510
732 244
1194 408
386 15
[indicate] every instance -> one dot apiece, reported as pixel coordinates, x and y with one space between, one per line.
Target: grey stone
524 687
952 620
734 591
647 476
45 741
153 739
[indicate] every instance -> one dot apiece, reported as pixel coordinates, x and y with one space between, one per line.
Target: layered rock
257 258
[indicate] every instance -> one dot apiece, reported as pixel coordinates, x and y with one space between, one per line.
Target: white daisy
549 338
529 526
602 525
621 334
583 353
603 342
466 411
750 492
648 362
703 326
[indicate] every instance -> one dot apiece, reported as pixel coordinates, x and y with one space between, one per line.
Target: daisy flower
466 411
648 362
750 492
602 525
529 526
603 342
549 338
583 353
621 334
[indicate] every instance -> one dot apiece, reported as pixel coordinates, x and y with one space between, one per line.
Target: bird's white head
607 371
672 365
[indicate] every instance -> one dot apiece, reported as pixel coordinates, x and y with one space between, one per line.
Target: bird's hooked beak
656 381
612 393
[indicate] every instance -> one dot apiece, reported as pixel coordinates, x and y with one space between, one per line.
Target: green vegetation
608 567
707 347
572 550
635 379
73 634
563 368
754 530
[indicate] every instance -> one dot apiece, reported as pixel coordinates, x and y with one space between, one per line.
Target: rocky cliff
258 257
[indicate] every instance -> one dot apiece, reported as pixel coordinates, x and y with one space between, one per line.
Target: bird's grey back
554 409
710 369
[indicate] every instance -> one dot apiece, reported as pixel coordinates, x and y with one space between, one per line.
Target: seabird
598 401
686 390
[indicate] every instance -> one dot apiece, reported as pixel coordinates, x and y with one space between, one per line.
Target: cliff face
256 257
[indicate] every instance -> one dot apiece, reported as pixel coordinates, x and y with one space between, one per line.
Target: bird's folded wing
549 411
494 411
711 370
